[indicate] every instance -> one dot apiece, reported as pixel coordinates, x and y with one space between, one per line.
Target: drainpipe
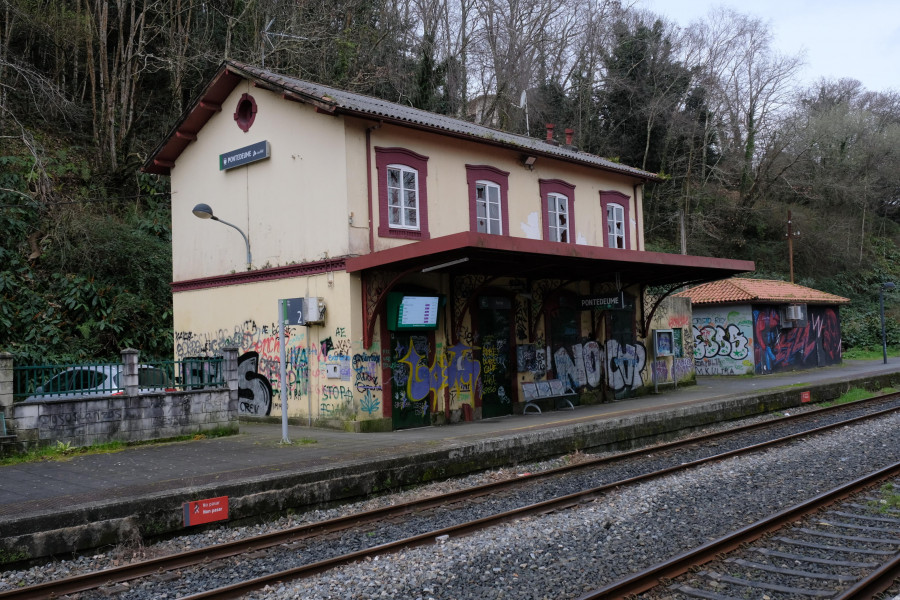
638 234
369 183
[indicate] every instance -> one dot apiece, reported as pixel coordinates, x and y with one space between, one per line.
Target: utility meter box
315 310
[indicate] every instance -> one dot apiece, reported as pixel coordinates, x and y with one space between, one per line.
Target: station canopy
504 256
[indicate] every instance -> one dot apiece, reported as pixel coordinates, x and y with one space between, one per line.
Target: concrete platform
60 507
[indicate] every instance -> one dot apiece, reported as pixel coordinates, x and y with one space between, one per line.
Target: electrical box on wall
315 310
793 315
332 370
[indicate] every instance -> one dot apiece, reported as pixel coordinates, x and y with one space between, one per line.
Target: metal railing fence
48 382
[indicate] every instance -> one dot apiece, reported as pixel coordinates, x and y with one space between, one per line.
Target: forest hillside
89 87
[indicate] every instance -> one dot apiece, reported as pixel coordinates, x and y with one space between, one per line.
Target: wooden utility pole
790 237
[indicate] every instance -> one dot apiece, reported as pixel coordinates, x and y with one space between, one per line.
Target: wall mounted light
528 161
204 211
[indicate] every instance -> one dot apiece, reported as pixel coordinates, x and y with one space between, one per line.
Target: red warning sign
205 511
805 397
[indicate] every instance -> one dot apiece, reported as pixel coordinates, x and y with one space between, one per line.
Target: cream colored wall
292 206
246 316
448 210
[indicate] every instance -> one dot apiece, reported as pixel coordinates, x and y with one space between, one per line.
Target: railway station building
436 270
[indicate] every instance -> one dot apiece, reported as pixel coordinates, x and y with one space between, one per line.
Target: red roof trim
483 241
286 272
163 158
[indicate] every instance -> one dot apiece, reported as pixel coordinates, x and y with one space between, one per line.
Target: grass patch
65 450
869 353
60 451
890 499
851 395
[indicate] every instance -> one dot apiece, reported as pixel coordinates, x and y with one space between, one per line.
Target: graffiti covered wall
817 343
344 380
674 314
723 340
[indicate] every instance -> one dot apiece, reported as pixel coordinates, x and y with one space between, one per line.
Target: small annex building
438 270
763 326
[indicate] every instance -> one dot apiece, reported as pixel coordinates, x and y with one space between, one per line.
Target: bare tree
749 83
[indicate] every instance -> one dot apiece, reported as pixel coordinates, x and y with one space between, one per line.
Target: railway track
843 544
535 494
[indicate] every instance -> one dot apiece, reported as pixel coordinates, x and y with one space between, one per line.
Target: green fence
49 382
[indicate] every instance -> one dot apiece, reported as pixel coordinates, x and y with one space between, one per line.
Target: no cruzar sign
244 156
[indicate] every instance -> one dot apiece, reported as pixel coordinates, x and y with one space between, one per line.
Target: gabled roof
739 290
334 101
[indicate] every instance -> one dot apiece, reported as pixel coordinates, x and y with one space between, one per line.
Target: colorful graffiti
305 368
456 369
587 364
723 341
815 344
254 390
716 340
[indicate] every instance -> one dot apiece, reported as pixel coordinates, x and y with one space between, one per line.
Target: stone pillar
130 360
6 391
230 372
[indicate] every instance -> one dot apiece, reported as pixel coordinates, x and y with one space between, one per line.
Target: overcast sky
858 39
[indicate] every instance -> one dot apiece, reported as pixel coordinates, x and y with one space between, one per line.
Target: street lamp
203 211
887 285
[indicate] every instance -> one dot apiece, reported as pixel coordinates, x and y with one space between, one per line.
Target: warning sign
805 397
205 511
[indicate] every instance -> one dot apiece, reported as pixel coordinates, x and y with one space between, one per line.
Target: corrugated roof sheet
739 290
375 107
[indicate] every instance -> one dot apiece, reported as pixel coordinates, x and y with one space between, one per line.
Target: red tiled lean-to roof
772 291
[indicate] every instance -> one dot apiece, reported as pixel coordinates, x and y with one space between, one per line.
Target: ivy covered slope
86 275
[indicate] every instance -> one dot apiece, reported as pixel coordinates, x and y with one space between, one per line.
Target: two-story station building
445 267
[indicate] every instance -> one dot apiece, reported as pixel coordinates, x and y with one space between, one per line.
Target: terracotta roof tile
740 290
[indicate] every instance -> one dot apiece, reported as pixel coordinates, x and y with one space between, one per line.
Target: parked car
100 380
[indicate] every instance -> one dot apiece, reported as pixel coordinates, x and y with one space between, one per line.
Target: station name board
606 301
244 156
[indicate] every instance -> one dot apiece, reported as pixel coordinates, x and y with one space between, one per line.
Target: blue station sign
244 156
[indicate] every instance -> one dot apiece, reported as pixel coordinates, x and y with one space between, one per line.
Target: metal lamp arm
246 241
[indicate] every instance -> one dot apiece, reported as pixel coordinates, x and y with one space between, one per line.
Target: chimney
569 134
550 139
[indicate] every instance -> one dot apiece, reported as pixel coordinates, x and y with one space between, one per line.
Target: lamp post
887 285
203 211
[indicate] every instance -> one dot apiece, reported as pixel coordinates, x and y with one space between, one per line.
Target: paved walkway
28 490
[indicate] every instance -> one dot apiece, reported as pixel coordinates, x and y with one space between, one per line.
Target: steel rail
880 580
682 563
93 580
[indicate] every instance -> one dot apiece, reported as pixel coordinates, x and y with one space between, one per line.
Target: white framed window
615 225
403 197
488 208
558 216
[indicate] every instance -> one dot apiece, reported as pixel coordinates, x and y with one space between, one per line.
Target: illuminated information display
418 311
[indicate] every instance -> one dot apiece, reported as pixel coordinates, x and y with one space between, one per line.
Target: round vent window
246 112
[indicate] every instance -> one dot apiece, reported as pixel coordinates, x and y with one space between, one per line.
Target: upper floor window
615 226
488 202
402 193
557 200
558 214
403 197
615 207
487 206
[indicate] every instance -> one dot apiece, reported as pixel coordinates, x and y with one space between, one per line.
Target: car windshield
74 380
149 377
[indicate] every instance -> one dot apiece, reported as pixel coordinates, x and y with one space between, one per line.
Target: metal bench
552 389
